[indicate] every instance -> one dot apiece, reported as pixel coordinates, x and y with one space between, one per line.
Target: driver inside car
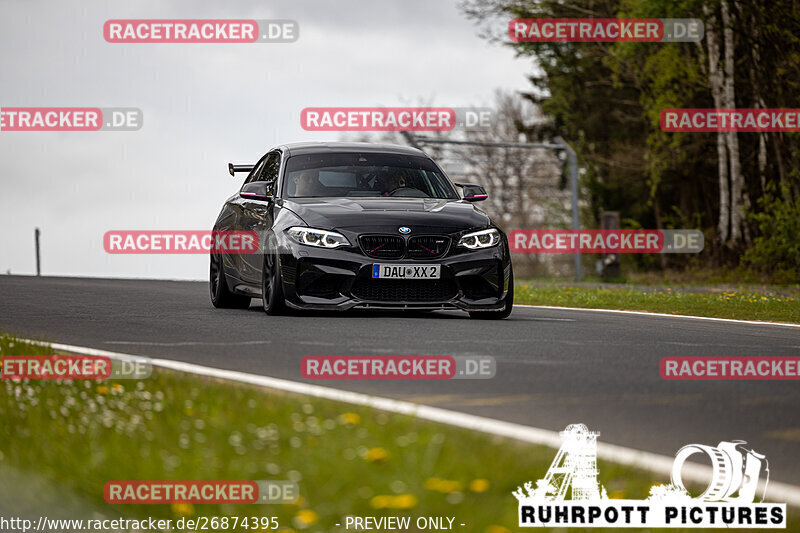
392 182
307 183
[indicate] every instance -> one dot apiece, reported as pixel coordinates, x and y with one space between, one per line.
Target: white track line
733 320
659 464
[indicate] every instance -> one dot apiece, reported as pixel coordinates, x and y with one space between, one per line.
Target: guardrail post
36 234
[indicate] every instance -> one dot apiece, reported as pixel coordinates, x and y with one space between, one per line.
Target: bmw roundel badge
404 230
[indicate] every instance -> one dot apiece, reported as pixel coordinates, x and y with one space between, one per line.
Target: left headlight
480 239
317 237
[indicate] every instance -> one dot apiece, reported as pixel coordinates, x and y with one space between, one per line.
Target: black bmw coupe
358 225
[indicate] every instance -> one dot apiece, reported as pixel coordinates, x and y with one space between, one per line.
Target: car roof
301 148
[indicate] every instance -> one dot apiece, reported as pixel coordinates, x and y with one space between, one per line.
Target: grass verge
741 305
347 460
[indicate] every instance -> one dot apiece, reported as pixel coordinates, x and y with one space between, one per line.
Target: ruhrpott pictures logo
727 501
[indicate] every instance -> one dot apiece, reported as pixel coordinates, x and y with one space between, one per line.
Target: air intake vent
400 290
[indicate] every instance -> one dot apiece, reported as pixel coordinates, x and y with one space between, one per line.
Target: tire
221 296
498 315
272 296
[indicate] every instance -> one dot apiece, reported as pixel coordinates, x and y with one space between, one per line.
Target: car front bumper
341 279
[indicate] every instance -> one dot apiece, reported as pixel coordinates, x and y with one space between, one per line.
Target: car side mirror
256 190
473 193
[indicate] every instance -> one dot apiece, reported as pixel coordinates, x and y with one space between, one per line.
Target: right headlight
319 238
480 239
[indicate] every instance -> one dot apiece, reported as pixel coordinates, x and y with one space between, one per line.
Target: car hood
387 214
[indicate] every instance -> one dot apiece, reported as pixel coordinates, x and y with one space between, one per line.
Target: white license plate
380 271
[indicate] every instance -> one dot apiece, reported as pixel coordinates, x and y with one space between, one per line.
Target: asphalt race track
554 367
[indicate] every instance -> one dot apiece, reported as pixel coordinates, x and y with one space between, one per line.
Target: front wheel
272 286
221 295
498 315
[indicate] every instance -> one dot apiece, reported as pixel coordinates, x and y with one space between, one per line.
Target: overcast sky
203 105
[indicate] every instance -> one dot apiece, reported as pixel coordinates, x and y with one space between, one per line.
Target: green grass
743 305
347 460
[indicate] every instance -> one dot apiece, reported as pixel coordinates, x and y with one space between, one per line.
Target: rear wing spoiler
233 169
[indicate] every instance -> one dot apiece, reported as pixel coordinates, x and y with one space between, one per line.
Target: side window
271 167
269 172
257 168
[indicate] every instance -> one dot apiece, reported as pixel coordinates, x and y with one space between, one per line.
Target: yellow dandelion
431 483
305 518
494 528
185 509
616 495
350 418
376 455
381 501
403 501
102 389
118 388
451 486
479 485
444 486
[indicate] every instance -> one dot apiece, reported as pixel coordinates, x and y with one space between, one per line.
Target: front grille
401 290
383 246
427 246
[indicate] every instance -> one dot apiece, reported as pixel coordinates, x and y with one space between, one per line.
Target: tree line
741 189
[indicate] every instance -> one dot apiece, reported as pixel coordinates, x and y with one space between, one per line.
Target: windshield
365 175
